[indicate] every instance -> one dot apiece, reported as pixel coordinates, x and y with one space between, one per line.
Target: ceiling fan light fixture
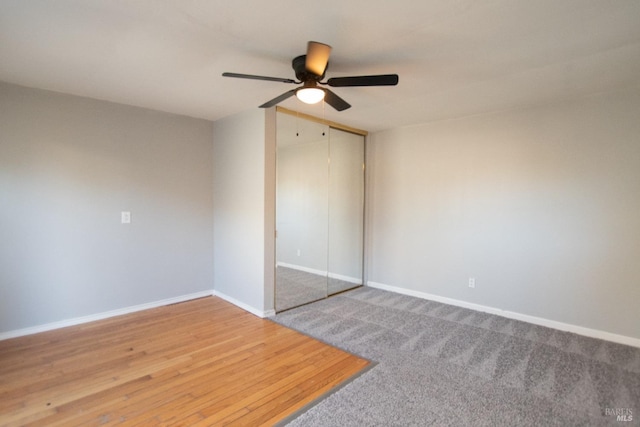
310 70
310 95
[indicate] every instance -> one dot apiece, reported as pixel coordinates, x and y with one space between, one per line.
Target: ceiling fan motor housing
299 66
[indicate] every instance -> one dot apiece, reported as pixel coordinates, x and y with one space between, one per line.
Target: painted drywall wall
270 140
540 205
68 167
241 209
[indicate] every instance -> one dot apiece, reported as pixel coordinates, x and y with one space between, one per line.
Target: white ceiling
454 57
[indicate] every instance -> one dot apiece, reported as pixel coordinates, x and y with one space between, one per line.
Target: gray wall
540 205
68 167
243 209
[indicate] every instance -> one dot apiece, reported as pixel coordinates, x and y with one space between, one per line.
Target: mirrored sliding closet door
346 210
319 210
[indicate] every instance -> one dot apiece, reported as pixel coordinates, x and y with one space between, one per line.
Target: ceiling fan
310 70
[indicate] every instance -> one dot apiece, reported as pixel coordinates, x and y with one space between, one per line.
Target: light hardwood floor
202 362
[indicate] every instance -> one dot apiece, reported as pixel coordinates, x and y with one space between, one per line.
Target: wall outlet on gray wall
125 217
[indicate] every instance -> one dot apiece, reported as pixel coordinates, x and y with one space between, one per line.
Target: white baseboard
321 273
245 307
101 316
349 279
593 333
302 268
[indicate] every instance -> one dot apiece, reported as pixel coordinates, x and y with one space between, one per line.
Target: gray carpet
443 365
295 287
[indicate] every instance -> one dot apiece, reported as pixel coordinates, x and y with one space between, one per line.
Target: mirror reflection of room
346 211
319 211
301 211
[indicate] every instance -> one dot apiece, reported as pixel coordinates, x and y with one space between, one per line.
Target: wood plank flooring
199 363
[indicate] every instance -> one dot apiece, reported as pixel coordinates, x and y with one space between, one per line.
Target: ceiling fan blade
250 76
379 80
278 99
317 58
335 101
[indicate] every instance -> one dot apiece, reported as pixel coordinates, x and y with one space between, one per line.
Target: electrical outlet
125 217
472 282
298 252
